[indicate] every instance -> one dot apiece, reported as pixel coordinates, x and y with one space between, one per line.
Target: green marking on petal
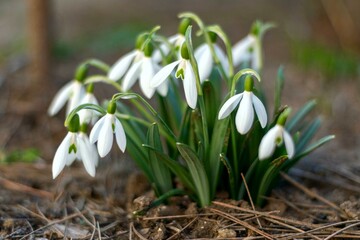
72 148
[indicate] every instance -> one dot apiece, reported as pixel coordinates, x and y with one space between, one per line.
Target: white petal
120 135
158 53
95 131
60 157
60 98
106 136
200 50
260 110
163 88
86 157
71 157
147 73
190 86
92 149
88 115
205 64
77 95
229 106
174 38
268 143
245 114
240 49
131 76
289 144
119 68
163 74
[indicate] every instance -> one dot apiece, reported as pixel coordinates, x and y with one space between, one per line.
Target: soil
318 199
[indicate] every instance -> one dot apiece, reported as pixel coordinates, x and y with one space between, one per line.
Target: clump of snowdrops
210 123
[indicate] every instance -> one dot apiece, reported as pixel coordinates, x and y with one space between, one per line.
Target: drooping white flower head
74 146
275 137
144 69
248 49
72 92
104 129
247 102
244 119
205 60
185 72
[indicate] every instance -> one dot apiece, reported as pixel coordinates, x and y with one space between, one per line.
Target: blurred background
42 41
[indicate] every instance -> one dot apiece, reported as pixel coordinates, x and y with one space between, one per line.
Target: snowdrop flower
275 137
205 60
73 93
185 72
248 49
104 129
74 146
247 102
87 115
144 69
121 66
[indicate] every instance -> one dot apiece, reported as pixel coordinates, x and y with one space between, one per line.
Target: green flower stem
218 30
204 30
117 86
147 124
133 97
198 87
83 106
245 71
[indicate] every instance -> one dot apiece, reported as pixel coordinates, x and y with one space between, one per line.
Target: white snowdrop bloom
121 66
87 115
247 49
275 137
176 41
143 69
244 118
74 146
185 72
205 60
103 133
72 92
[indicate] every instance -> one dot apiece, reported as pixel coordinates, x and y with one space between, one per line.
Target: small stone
226 233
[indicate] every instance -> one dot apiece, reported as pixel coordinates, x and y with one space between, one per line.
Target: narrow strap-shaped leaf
211 100
162 175
307 151
219 143
197 172
279 85
180 171
308 134
300 115
248 175
269 178
230 171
